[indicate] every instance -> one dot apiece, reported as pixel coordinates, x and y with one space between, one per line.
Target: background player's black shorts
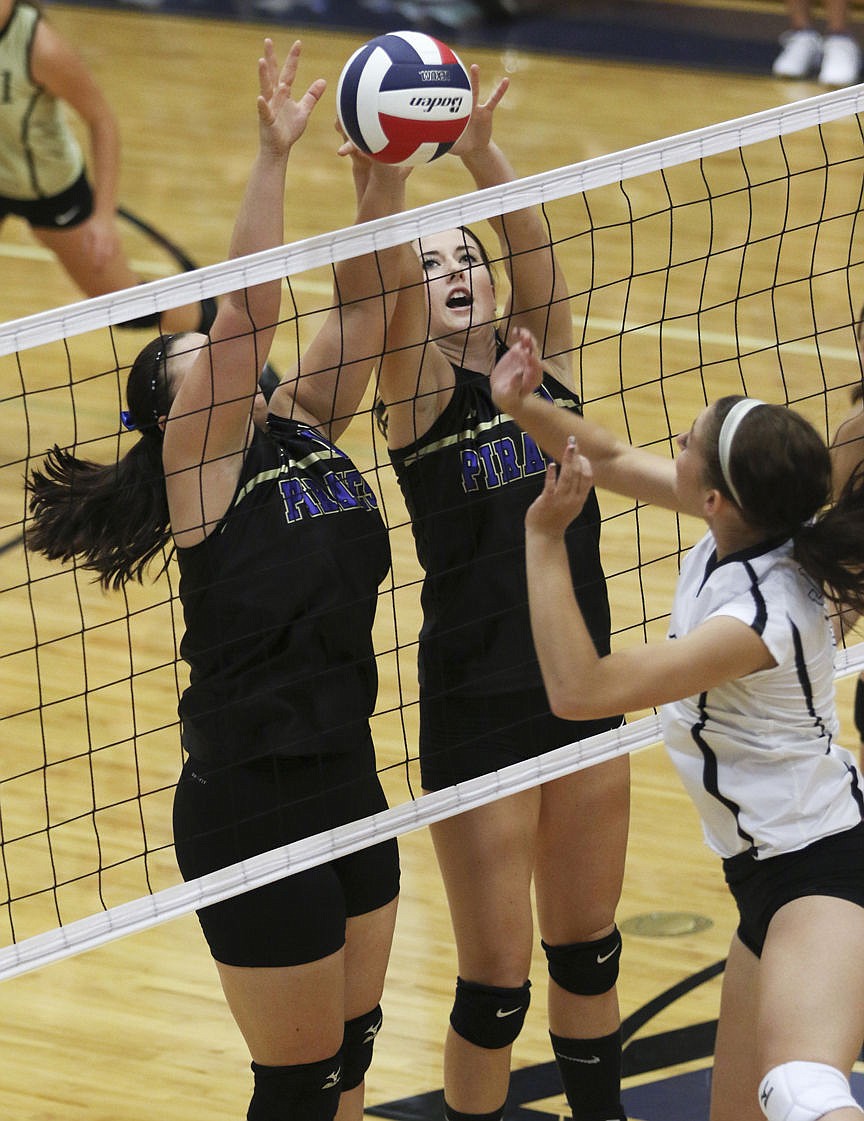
463 736
60 212
223 815
831 866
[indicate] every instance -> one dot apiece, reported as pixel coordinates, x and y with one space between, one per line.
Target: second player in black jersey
468 475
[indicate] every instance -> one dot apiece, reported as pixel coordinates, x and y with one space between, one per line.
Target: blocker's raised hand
566 488
518 372
478 132
283 119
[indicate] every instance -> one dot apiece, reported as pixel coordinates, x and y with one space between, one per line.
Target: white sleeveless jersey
757 755
39 155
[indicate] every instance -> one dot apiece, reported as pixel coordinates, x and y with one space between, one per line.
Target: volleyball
404 97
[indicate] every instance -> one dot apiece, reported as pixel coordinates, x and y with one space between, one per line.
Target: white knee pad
801 1091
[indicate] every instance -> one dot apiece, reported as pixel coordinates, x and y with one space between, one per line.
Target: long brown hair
112 518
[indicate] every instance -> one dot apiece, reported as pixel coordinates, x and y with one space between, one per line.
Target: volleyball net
724 260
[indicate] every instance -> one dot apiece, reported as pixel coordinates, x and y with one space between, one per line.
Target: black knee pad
488 1016
357 1045
586 968
306 1092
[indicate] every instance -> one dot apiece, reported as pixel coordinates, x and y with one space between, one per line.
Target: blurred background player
43 178
834 57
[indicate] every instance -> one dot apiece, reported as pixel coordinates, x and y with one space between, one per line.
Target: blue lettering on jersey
510 468
343 490
307 496
500 461
535 462
471 469
340 491
360 489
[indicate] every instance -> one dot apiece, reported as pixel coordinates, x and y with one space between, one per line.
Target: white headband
727 434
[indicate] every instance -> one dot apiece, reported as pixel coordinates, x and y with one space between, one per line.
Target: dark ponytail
780 470
832 548
112 518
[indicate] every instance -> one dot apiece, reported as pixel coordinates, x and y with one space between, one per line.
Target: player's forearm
566 652
488 166
551 427
259 226
260 223
374 274
519 230
105 161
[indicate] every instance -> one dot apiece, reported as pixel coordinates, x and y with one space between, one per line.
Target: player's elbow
577 699
567 702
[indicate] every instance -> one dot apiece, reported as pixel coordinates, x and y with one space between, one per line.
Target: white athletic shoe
841 61
801 54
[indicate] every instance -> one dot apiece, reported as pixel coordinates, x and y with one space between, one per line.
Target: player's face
690 465
459 285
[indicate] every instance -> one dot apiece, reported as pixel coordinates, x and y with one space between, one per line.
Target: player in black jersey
468 476
281 550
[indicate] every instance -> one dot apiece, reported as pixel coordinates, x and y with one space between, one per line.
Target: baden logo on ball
404 98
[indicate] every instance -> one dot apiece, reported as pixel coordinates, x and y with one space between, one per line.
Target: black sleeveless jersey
279 602
467 484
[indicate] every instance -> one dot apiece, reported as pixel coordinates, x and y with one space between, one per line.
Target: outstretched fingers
313 95
268 70
478 133
282 118
565 489
575 475
491 102
289 66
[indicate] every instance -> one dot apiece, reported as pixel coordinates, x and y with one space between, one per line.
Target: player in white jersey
745 687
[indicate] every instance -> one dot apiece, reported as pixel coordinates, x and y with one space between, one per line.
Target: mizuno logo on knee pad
804 1091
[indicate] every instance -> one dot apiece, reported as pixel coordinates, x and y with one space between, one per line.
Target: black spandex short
832 866
222 816
60 212
463 736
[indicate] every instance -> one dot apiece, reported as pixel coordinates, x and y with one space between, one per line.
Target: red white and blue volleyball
404 98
